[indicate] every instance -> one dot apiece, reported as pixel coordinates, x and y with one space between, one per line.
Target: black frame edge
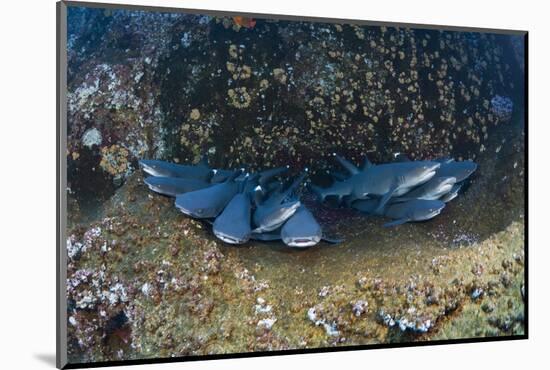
213 12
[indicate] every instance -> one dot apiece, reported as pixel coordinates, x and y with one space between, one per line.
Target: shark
413 210
402 212
172 186
208 202
383 180
233 224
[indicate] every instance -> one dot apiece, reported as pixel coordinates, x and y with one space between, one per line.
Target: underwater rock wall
175 86
145 281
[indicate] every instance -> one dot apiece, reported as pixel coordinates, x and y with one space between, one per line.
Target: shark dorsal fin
367 163
203 161
400 157
347 164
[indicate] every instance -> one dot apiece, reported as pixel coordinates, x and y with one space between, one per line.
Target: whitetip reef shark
384 180
233 224
402 212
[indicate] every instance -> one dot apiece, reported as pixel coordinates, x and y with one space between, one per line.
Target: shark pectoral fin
396 222
367 164
385 198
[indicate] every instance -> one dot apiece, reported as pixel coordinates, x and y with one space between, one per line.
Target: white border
28 180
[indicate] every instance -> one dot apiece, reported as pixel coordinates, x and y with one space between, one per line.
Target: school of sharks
243 206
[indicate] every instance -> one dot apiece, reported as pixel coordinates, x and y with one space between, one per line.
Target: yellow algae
114 159
279 75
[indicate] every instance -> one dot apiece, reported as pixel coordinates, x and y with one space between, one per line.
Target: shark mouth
230 239
189 212
302 242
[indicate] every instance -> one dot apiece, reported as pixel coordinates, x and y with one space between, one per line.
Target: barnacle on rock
239 97
279 75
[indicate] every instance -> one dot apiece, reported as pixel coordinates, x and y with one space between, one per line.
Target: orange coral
244 21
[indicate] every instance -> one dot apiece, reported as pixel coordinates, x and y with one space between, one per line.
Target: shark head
301 230
443 185
157 185
426 210
421 171
464 169
154 167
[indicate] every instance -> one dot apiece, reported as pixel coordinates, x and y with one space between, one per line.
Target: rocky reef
174 86
144 281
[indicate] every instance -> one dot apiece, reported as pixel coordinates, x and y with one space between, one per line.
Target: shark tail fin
350 167
319 192
203 161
